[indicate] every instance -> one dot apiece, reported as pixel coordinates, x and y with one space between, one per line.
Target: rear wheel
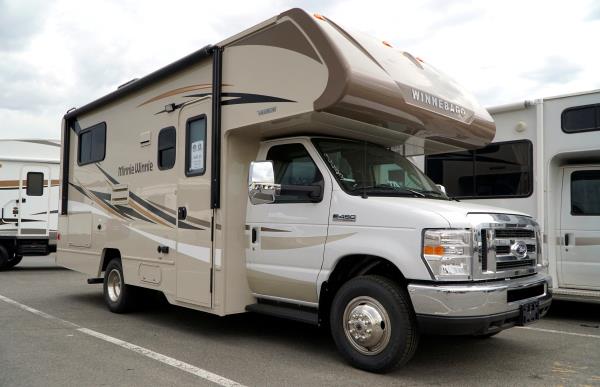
373 324
8 259
118 296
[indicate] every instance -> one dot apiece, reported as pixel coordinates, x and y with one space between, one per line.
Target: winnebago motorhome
545 160
29 171
258 175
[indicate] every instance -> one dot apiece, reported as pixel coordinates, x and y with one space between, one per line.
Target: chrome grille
499 241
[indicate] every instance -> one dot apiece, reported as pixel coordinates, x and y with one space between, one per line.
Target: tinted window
35 183
166 148
293 166
498 170
195 146
585 191
581 119
455 171
92 144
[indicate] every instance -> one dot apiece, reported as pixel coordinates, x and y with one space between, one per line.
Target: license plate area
530 312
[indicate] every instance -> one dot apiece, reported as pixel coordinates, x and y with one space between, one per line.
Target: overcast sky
58 54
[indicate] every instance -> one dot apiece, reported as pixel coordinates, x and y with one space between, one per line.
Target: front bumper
477 308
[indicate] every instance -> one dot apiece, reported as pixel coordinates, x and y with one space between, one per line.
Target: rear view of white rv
29 171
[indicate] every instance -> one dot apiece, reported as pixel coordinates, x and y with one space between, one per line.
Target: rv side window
581 119
166 148
585 191
35 184
92 144
294 168
499 170
195 146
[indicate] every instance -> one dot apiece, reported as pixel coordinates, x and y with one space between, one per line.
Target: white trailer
545 161
29 171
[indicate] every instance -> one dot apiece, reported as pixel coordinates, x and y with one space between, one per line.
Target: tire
7 259
118 296
15 261
373 299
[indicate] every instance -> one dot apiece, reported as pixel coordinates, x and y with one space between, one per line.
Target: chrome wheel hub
114 284
367 325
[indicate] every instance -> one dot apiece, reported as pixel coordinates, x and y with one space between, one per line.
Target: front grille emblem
519 249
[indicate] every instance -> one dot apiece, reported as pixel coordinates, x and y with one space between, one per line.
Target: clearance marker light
319 16
386 43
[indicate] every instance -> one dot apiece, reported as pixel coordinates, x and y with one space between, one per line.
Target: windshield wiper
389 189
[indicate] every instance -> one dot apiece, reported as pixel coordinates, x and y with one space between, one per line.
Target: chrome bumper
477 299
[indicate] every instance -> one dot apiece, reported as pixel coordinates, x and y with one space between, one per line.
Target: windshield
363 168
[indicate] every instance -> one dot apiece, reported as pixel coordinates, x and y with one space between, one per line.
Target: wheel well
352 266
108 255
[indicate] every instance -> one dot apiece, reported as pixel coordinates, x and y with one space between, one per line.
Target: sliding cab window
297 173
166 148
500 170
581 119
195 146
92 144
35 184
585 191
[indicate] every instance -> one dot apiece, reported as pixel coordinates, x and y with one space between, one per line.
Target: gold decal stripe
148 214
290 243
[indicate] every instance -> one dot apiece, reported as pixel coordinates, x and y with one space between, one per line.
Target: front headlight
448 253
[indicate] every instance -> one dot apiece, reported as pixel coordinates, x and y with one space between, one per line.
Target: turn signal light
433 250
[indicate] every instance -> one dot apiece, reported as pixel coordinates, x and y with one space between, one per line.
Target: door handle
254 234
566 239
181 213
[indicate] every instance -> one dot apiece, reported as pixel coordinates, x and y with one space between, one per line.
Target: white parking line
201 373
560 332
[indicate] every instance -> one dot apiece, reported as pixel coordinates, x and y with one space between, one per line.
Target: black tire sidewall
4 258
400 313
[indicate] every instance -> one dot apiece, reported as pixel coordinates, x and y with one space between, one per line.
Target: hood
455 213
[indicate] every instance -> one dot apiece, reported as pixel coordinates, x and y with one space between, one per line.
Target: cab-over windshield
363 168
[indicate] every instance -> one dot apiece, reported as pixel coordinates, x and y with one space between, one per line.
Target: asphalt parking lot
56 331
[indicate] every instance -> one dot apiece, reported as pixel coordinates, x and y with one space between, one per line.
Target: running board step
91 281
289 312
580 295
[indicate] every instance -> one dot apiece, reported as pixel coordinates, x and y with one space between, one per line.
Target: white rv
29 171
259 174
545 161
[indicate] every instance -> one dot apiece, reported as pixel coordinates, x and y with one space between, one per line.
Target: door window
195 146
585 191
35 184
293 166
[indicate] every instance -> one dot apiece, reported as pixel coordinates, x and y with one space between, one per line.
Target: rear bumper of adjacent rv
478 308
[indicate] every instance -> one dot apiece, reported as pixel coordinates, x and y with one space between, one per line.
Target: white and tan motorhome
266 174
29 171
544 160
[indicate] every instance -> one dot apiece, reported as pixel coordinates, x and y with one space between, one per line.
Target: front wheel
373 324
118 297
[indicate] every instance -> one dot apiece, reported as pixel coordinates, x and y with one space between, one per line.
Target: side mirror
441 188
261 183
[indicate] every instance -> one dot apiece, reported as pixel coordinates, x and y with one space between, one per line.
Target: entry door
287 238
580 228
34 201
194 245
